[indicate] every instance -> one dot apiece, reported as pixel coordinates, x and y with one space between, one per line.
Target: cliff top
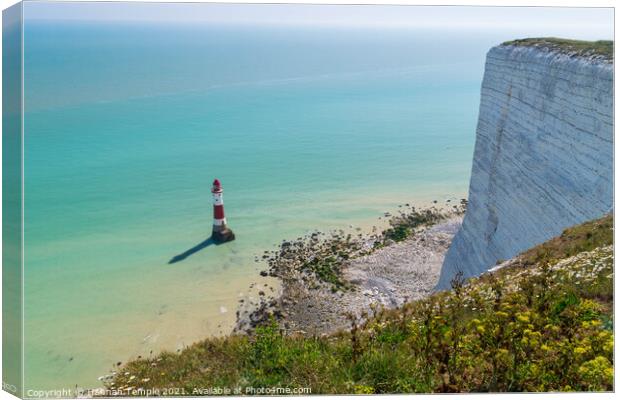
600 49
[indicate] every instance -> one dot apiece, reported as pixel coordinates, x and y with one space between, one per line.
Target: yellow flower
609 372
599 368
480 329
579 350
536 335
523 318
609 345
363 389
544 347
603 334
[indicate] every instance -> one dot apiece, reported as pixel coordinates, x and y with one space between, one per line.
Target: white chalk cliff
543 159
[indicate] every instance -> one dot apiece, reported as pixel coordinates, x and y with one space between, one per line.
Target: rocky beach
378 270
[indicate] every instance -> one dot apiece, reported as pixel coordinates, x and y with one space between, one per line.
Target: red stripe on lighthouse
221 232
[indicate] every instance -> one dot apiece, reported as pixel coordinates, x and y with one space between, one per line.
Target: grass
584 237
604 48
543 323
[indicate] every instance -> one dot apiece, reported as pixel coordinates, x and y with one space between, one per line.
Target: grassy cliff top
601 48
542 323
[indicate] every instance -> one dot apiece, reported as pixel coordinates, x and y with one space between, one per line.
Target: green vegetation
402 226
542 323
316 259
410 219
320 257
604 48
584 237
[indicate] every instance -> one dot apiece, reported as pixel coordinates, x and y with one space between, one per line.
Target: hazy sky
587 23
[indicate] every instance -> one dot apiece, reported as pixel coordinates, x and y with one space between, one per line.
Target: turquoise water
126 127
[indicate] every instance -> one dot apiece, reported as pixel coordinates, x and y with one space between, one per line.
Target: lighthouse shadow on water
221 232
195 249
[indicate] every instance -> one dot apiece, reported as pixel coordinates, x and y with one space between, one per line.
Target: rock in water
223 236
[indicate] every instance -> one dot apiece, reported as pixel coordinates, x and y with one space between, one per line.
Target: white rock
543 159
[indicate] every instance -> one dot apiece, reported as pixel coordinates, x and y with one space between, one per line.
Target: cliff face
543 159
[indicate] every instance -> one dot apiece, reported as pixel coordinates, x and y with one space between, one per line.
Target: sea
127 124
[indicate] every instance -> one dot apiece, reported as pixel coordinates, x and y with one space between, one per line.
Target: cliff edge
543 159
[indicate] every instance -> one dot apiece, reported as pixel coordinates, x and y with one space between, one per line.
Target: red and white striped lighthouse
221 232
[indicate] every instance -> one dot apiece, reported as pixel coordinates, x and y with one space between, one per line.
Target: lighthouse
221 232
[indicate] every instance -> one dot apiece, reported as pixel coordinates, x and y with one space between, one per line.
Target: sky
586 23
